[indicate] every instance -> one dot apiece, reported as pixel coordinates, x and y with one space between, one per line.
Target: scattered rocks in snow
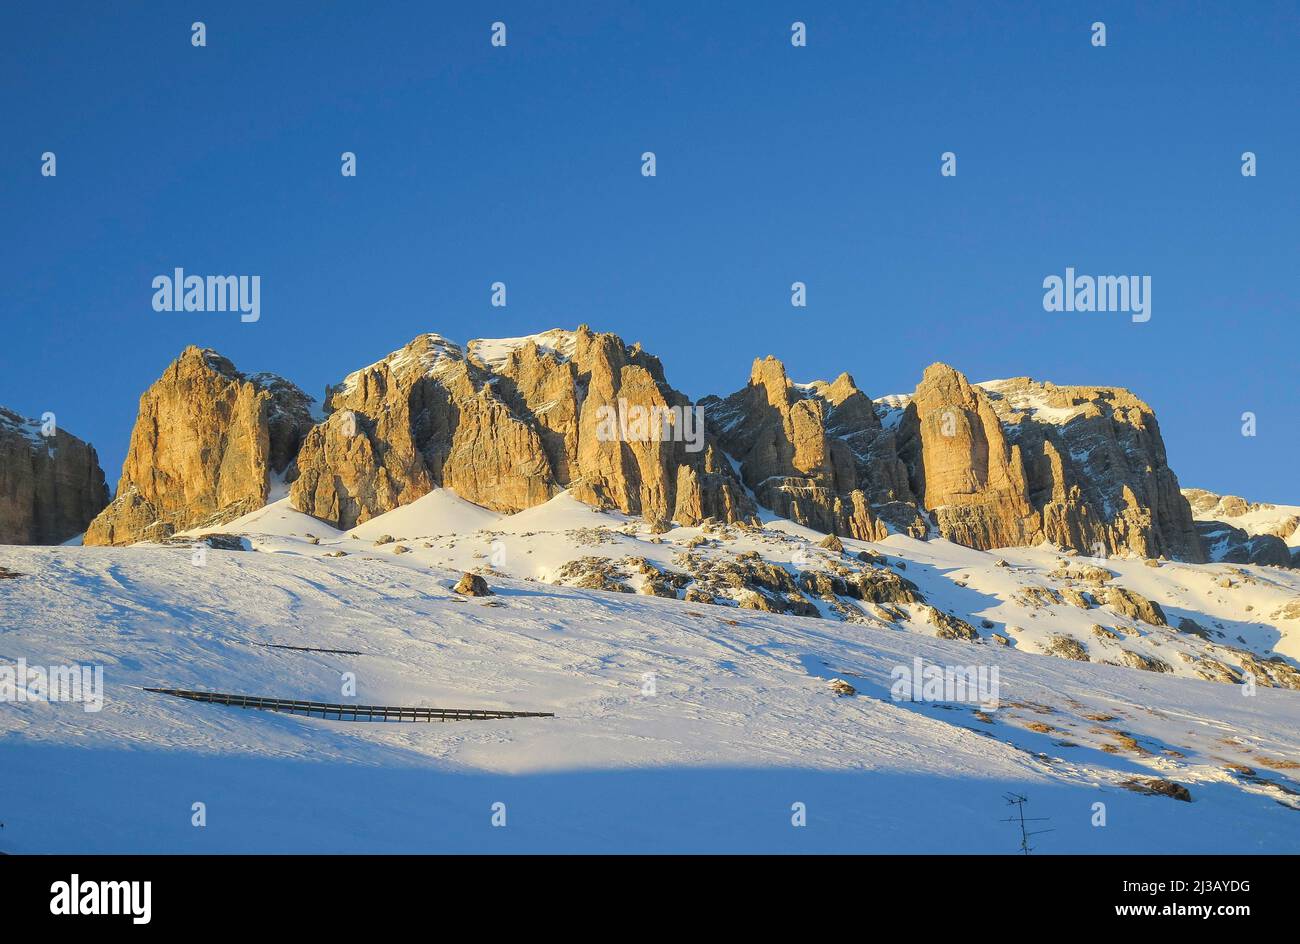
1085 573
949 626
832 543
384 539
1157 786
1289 611
7 574
776 603
842 688
1066 647
657 586
1135 660
472 585
1124 742
592 573
1271 673
1102 632
1134 605
401 549
1035 597
216 541
1080 599
1213 670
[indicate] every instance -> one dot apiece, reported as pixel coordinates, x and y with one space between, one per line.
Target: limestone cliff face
639 473
508 424
50 486
205 443
963 469
1096 469
1009 463
816 454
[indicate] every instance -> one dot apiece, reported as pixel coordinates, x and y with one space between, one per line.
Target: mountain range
510 423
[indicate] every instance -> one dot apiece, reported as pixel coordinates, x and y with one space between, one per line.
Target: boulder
472 585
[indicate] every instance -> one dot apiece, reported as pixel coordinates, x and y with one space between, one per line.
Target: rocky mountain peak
51 484
205 444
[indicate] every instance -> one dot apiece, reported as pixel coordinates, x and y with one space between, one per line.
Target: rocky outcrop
816 454
1017 462
1236 531
423 416
51 486
991 465
1252 517
206 442
1226 544
1096 469
507 426
997 464
963 468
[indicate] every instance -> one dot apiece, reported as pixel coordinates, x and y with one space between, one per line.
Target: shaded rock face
1096 469
50 487
205 443
816 454
1236 531
508 425
1231 545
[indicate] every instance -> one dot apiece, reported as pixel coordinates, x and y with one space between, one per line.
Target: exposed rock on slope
50 487
204 446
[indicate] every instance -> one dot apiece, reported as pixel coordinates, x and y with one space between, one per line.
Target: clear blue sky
775 164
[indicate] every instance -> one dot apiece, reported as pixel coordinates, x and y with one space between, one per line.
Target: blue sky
775 164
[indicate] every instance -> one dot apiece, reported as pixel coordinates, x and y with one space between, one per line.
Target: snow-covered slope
1218 620
679 725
